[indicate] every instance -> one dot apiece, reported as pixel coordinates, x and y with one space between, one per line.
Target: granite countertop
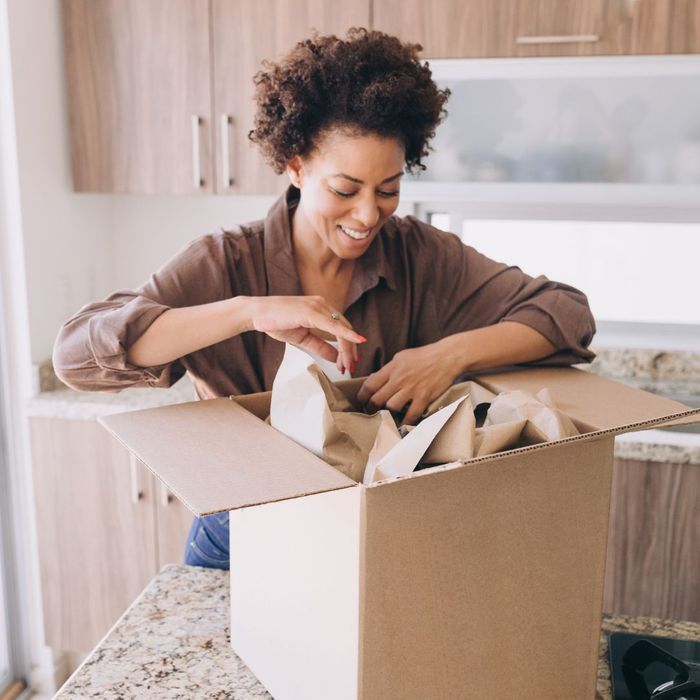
173 643
674 374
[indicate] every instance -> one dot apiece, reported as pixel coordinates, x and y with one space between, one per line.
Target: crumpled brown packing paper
311 410
513 419
544 421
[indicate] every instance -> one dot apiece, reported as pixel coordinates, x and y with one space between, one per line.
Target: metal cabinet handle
166 498
197 179
226 179
134 470
559 39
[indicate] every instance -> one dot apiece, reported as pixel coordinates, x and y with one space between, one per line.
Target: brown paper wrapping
310 409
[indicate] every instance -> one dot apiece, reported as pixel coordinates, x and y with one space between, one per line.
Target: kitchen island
173 642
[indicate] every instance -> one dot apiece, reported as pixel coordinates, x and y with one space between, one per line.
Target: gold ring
335 315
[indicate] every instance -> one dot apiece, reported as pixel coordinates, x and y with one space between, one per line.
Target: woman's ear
295 171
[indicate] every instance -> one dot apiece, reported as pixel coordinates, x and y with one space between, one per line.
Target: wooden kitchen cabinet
531 28
161 91
140 76
245 32
653 554
662 27
451 28
95 529
138 92
105 527
507 28
173 523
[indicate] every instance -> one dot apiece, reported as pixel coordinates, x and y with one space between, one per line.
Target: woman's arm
506 343
136 338
178 332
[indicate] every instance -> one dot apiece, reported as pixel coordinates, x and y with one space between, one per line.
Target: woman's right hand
290 319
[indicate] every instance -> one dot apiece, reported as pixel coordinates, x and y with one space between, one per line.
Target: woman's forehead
358 156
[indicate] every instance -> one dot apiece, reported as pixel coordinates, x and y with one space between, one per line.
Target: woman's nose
367 212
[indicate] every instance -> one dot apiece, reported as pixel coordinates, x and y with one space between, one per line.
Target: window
636 272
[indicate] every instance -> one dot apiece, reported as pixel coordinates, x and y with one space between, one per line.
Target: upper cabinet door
451 28
662 27
522 28
504 28
245 32
566 27
139 94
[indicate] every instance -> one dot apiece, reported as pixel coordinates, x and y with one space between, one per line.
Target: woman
329 262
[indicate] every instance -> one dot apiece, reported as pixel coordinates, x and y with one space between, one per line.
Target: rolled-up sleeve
474 291
90 352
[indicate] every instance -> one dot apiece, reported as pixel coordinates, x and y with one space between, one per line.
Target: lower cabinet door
653 553
96 529
173 522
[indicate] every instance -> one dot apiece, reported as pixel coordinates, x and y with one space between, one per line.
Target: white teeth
357 235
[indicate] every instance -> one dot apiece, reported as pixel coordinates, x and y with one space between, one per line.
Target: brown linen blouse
414 285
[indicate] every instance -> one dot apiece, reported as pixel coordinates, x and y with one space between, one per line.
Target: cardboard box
471 580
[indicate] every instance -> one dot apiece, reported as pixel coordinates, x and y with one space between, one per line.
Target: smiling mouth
354 234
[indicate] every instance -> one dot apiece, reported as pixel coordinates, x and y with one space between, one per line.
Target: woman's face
349 188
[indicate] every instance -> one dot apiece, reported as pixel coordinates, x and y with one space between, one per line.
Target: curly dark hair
368 83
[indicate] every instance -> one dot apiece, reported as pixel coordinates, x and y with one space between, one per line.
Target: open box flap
591 400
215 455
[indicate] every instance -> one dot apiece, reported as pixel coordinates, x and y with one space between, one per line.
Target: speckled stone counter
173 643
88 405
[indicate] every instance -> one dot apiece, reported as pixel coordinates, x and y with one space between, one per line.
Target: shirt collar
282 275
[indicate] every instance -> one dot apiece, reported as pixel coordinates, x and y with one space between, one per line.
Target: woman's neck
311 253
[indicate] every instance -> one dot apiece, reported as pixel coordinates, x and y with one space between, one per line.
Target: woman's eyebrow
361 182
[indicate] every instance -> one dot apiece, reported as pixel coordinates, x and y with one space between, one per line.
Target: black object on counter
654 668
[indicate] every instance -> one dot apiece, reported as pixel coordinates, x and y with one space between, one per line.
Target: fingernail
362 338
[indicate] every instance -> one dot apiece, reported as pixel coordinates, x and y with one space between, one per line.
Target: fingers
372 384
415 411
347 340
339 327
346 355
320 347
398 401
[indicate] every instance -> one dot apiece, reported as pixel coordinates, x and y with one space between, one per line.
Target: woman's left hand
416 375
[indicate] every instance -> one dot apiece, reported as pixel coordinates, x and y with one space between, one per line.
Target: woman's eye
351 194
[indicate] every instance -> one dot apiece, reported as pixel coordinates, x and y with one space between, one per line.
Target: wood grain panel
562 18
173 522
653 554
137 72
96 546
662 27
452 28
244 33
487 29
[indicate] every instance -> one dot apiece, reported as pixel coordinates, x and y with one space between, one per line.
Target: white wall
148 230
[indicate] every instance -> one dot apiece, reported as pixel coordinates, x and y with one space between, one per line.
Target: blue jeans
207 543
